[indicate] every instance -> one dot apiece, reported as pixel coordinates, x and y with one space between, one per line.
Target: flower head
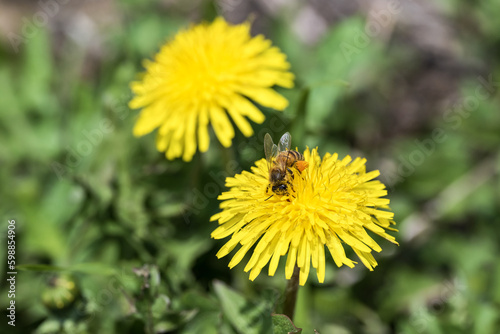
202 75
332 202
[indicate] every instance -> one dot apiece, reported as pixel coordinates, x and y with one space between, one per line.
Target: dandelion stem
291 294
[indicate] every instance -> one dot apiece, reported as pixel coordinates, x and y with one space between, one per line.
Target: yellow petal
222 127
190 138
203 138
265 97
149 119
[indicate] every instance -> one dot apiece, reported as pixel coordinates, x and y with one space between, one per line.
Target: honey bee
280 161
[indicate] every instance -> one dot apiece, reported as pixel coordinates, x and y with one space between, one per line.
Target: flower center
213 67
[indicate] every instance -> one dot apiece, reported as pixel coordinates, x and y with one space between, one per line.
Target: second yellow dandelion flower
205 74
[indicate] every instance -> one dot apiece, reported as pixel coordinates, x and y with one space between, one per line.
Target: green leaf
198 300
245 316
160 306
206 322
39 267
283 325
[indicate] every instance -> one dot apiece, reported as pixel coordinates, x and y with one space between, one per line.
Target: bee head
280 189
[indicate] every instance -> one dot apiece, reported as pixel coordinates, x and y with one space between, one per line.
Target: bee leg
267 192
291 186
290 171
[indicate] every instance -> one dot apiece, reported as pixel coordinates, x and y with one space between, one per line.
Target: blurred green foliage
113 238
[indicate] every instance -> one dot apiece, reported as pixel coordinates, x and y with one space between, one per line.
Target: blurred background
113 238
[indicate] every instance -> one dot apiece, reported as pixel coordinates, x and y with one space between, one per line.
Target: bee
280 161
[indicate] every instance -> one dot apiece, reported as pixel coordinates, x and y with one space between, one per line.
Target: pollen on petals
208 74
334 203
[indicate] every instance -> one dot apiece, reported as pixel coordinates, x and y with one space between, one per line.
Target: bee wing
270 149
274 152
285 142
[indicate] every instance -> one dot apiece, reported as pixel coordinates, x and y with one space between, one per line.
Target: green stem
291 289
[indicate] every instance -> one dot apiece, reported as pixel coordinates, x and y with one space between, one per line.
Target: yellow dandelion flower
333 202
205 73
